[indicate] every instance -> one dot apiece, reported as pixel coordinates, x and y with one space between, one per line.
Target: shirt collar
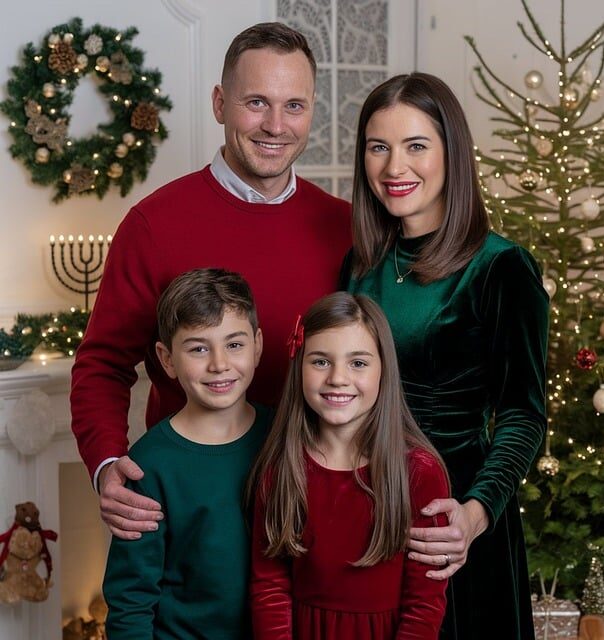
235 185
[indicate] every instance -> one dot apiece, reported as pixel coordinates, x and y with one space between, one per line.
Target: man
246 212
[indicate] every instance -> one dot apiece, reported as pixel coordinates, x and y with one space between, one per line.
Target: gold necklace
399 278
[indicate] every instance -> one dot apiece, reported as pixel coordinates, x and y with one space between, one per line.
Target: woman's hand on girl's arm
446 548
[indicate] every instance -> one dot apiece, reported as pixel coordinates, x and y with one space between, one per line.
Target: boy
188 579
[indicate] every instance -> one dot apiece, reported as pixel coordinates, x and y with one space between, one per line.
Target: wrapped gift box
555 619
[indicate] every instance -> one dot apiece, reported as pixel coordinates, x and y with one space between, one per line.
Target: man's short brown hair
267 35
199 298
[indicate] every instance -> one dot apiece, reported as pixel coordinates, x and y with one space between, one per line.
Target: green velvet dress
472 346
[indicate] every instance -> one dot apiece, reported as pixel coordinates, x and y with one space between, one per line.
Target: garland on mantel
62 332
42 88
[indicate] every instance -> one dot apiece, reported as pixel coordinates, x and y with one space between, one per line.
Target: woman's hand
447 547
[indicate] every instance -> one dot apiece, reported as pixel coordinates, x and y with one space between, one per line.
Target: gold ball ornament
549 284
533 79
121 151
570 97
68 38
595 95
103 62
48 90
82 61
590 209
67 176
129 139
587 244
42 155
528 180
598 399
53 40
544 147
548 465
115 170
602 329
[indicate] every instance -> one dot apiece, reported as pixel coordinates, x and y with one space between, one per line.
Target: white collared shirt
235 185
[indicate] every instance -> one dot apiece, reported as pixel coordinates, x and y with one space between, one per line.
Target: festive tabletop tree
542 185
592 602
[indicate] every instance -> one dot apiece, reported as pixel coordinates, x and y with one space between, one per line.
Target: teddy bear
24 547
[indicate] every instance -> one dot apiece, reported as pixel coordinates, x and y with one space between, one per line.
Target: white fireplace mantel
36 478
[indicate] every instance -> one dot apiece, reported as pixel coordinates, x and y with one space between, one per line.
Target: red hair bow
296 337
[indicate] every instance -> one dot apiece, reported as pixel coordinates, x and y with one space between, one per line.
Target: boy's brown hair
199 298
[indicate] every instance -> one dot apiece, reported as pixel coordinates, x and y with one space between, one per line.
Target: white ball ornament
544 147
129 139
121 151
590 209
53 40
48 90
42 155
595 95
82 61
549 284
587 244
598 399
68 38
533 79
31 425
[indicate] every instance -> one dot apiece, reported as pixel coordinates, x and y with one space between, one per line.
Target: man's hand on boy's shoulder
127 513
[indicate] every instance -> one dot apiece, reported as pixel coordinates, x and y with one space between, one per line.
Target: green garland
62 332
42 89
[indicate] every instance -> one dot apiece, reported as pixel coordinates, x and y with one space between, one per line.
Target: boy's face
214 365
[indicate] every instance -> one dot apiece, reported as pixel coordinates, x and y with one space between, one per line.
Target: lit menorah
83 272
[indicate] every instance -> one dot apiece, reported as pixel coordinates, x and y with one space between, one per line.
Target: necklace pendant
400 279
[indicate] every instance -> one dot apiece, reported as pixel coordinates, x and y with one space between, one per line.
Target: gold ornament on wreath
42 88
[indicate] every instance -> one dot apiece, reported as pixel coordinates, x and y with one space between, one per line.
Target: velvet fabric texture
320 595
472 346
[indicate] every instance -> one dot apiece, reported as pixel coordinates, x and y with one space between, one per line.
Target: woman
469 316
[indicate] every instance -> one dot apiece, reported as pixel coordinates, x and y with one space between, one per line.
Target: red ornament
586 358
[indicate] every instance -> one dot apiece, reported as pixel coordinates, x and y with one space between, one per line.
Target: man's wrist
97 474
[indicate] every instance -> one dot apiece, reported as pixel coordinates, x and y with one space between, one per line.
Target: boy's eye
199 349
235 345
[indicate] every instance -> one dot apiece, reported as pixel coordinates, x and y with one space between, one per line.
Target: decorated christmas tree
592 601
543 183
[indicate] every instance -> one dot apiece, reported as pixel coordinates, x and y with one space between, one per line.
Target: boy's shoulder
145 449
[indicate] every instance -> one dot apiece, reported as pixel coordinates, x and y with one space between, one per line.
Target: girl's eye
320 362
358 364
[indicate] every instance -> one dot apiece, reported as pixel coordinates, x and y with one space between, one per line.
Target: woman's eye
416 146
378 148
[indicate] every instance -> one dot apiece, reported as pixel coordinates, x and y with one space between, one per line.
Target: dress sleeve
516 312
133 576
121 328
423 600
270 588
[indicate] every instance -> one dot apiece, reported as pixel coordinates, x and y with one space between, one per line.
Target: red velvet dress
320 595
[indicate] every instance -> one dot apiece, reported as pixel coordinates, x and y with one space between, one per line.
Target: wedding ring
447 561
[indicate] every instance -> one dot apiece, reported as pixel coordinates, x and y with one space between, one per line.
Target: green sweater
187 580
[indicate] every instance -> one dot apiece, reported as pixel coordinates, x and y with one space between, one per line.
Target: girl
469 315
341 479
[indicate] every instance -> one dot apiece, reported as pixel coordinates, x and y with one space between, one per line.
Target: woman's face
405 166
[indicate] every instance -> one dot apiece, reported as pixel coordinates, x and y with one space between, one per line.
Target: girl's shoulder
426 470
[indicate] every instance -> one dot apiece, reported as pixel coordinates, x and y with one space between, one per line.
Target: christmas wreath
42 88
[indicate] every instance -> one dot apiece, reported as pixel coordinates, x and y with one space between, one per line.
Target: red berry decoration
586 358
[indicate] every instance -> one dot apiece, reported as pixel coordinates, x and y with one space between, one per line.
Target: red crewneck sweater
290 254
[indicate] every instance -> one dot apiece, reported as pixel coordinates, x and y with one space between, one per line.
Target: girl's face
405 166
341 372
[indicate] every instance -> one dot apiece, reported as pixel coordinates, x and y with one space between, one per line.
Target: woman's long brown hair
279 475
465 223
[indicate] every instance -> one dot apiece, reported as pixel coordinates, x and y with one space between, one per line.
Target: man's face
266 107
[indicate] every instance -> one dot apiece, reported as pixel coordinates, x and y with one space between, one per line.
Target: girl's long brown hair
279 475
465 224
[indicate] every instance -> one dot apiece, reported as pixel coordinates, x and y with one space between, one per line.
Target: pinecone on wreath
63 59
144 117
